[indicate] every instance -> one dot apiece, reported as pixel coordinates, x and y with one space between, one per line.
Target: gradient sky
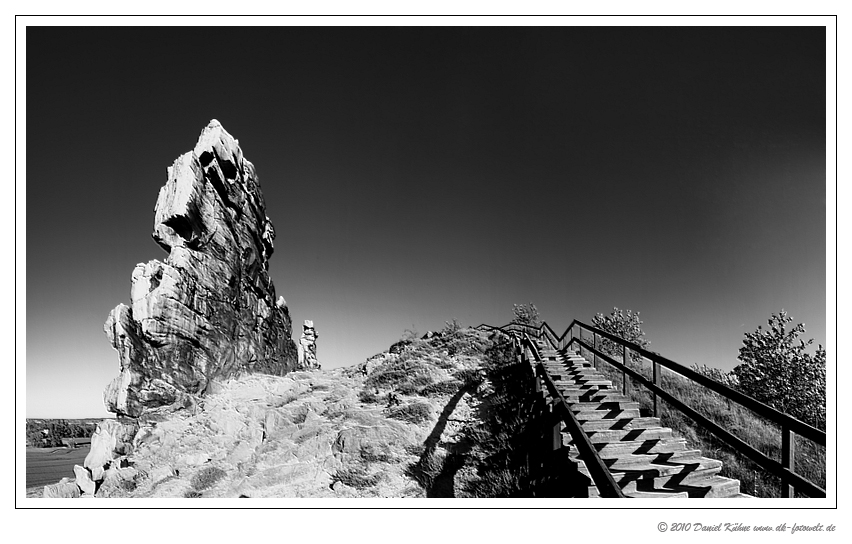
417 175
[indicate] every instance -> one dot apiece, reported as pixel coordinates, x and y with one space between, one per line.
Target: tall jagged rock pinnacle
209 311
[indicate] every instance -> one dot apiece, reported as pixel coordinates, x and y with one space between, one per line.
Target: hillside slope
421 419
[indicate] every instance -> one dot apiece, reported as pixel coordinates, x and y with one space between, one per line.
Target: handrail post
580 338
625 359
595 355
557 435
538 389
788 459
656 367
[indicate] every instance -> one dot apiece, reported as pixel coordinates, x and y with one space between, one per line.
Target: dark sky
416 175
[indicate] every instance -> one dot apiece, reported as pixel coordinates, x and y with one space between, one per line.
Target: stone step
635 460
565 377
644 458
584 406
588 415
634 494
663 476
568 381
594 396
636 447
582 388
623 424
713 487
631 435
562 367
657 495
569 363
569 374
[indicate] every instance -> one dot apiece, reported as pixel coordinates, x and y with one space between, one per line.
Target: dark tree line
57 429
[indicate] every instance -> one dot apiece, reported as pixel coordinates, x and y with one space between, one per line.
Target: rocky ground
398 425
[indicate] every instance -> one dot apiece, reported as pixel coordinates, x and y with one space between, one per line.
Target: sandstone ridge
209 311
426 418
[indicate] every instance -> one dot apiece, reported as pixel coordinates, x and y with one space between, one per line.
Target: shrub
399 347
728 379
415 384
468 376
777 370
300 416
128 485
207 477
526 314
392 374
451 327
624 324
372 454
368 397
356 477
415 413
447 387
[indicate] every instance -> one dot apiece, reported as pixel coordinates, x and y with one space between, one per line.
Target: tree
776 369
624 324
526 314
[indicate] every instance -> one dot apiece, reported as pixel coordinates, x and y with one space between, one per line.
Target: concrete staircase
644 458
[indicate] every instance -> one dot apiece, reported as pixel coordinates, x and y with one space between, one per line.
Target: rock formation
209 311
308 347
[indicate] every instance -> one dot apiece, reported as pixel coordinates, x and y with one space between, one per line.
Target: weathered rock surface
210 310
323 433
407 428
111 439
65 489
308 347
84 480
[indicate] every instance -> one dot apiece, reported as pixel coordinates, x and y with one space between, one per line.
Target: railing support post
625 380
595 355
656 367
788 459
557 435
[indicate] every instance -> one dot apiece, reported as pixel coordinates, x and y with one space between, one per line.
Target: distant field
49 465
